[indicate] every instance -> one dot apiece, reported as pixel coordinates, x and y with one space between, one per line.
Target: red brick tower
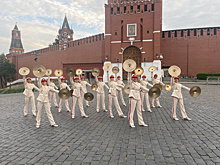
65 34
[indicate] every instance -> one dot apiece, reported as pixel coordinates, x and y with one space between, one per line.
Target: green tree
7 71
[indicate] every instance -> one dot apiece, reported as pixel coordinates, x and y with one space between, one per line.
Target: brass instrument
174 71
48 72
95 72
79 72
88 96
168 87
159 86
139 71
129 65
195 91
154 92
127 88
107 67
39 71
64 94
152 69
58 72
70 72
94 87
115 69
24 71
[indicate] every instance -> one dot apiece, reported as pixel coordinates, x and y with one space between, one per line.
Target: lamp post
36 54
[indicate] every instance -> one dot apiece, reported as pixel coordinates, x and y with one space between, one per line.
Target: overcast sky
40 20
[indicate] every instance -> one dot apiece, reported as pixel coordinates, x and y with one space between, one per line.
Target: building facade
133 29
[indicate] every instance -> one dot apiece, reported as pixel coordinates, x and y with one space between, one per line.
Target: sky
40 20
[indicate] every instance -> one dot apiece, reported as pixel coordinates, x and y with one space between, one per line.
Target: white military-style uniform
101 94
77 97
84 84
63 86
178 98
119 91
29 96
43 100
144 94
135 102
52 95
112 95
155 81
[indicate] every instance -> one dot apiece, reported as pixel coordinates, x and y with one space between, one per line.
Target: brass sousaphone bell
154 92
195 91
107 67
94 87
115 69
174 71
48 72
152 69
168 87
70 72
139 71
24 71
95 72
79 72
158 86
127 89
129 65
64 94
58 72
39 71
88 96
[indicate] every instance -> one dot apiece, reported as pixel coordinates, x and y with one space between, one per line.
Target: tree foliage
7 71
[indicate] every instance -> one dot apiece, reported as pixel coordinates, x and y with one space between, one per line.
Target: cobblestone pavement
102 140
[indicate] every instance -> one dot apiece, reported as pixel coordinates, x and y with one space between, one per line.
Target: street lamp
36 54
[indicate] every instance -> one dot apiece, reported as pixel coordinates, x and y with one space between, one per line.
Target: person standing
63 85
101 93
119 90
144 94
135 102
77 97
29 95
177 97
84 84
43 100
156 81
52 95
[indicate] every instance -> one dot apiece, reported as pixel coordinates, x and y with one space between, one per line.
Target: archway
134 53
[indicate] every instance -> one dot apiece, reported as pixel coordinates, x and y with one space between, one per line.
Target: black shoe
188 119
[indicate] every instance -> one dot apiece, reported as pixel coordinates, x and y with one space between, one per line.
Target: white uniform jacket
177 89
135 90
63 85
101 86
120 82
28 88
77 87
145 84
84 83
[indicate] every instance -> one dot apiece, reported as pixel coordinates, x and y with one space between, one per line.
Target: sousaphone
24 71
70 72
174 71
154 92
39 71
48 72
95 72
129 65
79 72
107 67
64 94
115 69
88 96
58 72
195 91
152 69
139 71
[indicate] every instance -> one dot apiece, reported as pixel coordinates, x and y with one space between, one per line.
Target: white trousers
110 98
66 104
53 96
82 96
100 97
135 104
27 99
47 109
182 109
145 95
157 101
119 92
79 100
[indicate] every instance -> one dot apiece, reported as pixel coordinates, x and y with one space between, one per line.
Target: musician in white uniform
52 95
101 93
29 95
135 102
43 100
77 97
119 90
156 81
177 97
84 84
144 94
63 85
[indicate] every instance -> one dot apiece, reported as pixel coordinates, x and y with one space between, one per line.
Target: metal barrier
212 77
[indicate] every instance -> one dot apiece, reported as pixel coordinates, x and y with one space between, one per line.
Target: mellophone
129 66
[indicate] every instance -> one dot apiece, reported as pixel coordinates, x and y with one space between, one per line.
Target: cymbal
159 86
115 69
154 92
48 72
139 71
58 72
64 94
195 91
79 72
174 71
95 72
88 96
107 67
39 71
127 89
24 71
94 87
129 65
70 72
152 69
168 87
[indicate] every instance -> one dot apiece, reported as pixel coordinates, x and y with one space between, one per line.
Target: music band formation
136 88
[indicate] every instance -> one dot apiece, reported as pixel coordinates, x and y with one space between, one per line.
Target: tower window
208 32
148 31
214 31
138 8
117 60
112 10
131 10
188 33
169 34
118 10
175 33
152 7
195 32
145 8
163 35
125 10
201 32
116 33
